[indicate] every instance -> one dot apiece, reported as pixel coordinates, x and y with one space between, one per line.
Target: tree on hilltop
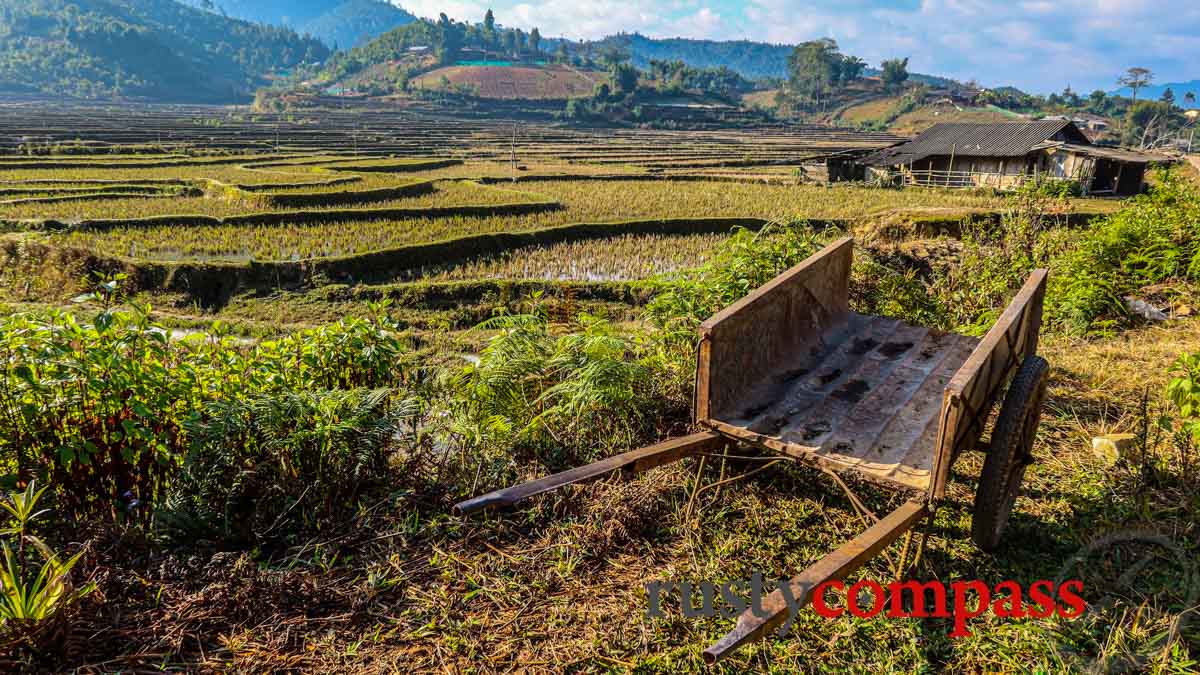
895 72
1135 79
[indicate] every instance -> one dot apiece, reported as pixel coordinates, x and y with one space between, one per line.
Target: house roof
1115 154
999 139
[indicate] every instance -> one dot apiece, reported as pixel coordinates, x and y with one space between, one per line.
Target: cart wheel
1010 452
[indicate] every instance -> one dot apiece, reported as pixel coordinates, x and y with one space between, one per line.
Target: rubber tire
1009 454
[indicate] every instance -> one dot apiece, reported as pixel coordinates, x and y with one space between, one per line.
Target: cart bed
865 395
791 368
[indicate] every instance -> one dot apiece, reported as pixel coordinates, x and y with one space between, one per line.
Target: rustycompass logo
960 601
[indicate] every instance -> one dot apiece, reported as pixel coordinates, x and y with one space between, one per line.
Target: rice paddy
466 180
583 201
435 295
623 258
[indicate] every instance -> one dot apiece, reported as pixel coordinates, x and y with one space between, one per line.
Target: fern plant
557 398
263 468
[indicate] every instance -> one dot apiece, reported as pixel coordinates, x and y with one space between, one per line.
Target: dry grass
558 585
621 258
921 119
516 82
875 109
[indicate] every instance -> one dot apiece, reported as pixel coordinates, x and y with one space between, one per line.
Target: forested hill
340 23
355 22
752 59
152 49
755 60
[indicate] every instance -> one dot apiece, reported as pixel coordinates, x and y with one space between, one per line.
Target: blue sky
1038 45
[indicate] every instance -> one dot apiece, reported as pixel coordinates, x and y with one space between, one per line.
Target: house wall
998 172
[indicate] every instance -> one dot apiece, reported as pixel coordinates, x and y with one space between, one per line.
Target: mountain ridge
153 49
340 23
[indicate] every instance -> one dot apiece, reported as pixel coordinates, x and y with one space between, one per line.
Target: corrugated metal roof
1000 139
1116 154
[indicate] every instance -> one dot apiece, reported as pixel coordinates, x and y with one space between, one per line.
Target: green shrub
579 396
997 258
878 289
98 410
1184 392
34 596
743 263
1153 239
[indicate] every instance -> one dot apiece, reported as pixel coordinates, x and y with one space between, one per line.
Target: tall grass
578 396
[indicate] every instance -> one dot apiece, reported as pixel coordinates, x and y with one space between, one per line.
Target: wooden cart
791 369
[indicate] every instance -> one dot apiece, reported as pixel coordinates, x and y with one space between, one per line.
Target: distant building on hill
1005 155
1082 120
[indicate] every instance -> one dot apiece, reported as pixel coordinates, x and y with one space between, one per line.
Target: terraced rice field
582 201
623 258
363 189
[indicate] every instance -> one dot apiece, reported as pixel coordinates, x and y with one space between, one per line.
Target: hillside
755 60
337 23
152 49
355 22
514 82
752 59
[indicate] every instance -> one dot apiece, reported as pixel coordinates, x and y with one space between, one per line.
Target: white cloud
704 23
463 10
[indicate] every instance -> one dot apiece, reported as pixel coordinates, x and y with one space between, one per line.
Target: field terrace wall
402 129
212 283
310 199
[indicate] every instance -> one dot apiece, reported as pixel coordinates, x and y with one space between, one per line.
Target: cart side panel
975 387
742 345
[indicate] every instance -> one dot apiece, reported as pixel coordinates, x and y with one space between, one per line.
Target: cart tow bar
629 463
835 566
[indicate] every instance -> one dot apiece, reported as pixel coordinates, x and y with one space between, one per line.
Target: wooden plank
976 385
864 407
633 462
892 482
835 566
908 389
743 344
808 384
